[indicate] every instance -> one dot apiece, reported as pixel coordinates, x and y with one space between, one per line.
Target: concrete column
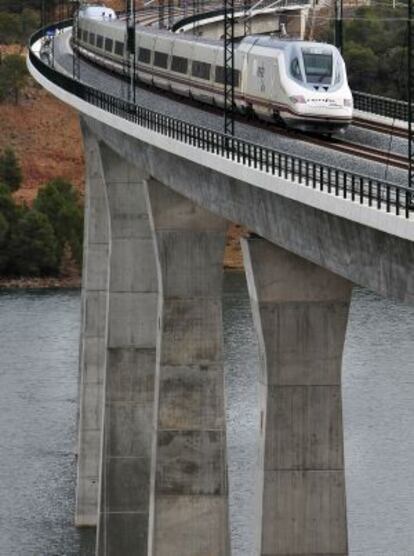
300 313
189 495
130 365
93 331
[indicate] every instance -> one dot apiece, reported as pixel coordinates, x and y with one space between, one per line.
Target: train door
277 90
260 83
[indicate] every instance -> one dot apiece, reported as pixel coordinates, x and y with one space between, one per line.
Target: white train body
302 83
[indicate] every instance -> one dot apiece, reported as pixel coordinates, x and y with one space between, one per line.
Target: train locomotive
304 84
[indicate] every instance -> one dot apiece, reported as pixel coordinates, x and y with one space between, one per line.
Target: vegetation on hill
13 77
16 27
10 171
34 240
375 49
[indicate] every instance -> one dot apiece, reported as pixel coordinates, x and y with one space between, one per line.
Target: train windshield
318 67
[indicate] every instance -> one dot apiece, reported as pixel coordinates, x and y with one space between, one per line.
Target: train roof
243 45
97 12
282 44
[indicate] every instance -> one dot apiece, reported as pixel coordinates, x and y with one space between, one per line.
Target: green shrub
13 77
10 170
33 247
59 201
17 25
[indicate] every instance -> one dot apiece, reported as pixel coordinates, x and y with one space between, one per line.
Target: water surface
38 391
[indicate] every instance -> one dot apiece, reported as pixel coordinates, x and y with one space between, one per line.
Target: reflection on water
38 389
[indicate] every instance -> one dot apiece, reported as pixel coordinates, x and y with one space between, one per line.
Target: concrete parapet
130 364
189 496
300 313
93 334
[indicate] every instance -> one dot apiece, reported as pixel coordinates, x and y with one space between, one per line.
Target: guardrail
383 106
358 188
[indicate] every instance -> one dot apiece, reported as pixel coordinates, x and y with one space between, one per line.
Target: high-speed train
302 83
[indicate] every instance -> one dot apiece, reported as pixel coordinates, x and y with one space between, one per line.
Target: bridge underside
152 471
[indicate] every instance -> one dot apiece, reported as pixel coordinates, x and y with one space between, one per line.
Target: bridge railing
383 106
392 198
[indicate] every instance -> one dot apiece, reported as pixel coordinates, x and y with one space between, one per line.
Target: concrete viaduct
152 468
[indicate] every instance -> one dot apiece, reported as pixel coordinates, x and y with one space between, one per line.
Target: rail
393 198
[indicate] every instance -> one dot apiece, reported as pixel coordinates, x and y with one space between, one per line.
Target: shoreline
53 282
47 282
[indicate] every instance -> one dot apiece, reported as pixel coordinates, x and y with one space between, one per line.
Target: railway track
367 152
364 151
381 128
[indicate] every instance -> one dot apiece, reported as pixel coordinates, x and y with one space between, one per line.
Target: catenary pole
228 69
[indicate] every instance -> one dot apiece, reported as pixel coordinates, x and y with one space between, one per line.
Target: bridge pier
189 492
130 364
300 313
93 335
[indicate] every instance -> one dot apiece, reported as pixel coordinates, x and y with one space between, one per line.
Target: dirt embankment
45 135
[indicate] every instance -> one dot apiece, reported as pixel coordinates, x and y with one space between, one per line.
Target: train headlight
348 102
298 99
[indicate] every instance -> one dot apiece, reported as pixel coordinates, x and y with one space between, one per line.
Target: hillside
46 137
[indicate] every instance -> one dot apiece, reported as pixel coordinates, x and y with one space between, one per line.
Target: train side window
119 48
295 69
200 70
85 36
92 39
179 64
219 78
99 41
109 45
144 55
160 59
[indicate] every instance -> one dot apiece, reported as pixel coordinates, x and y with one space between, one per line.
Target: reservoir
39 346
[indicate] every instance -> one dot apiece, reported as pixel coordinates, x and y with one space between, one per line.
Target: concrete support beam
300 313
130 366
93 332
189 496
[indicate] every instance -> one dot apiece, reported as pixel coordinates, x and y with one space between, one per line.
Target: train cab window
144 55
109 45
179 64
219 77
160 59
85 36
318 67
200 70
119 48
99 41
92 39
295 69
